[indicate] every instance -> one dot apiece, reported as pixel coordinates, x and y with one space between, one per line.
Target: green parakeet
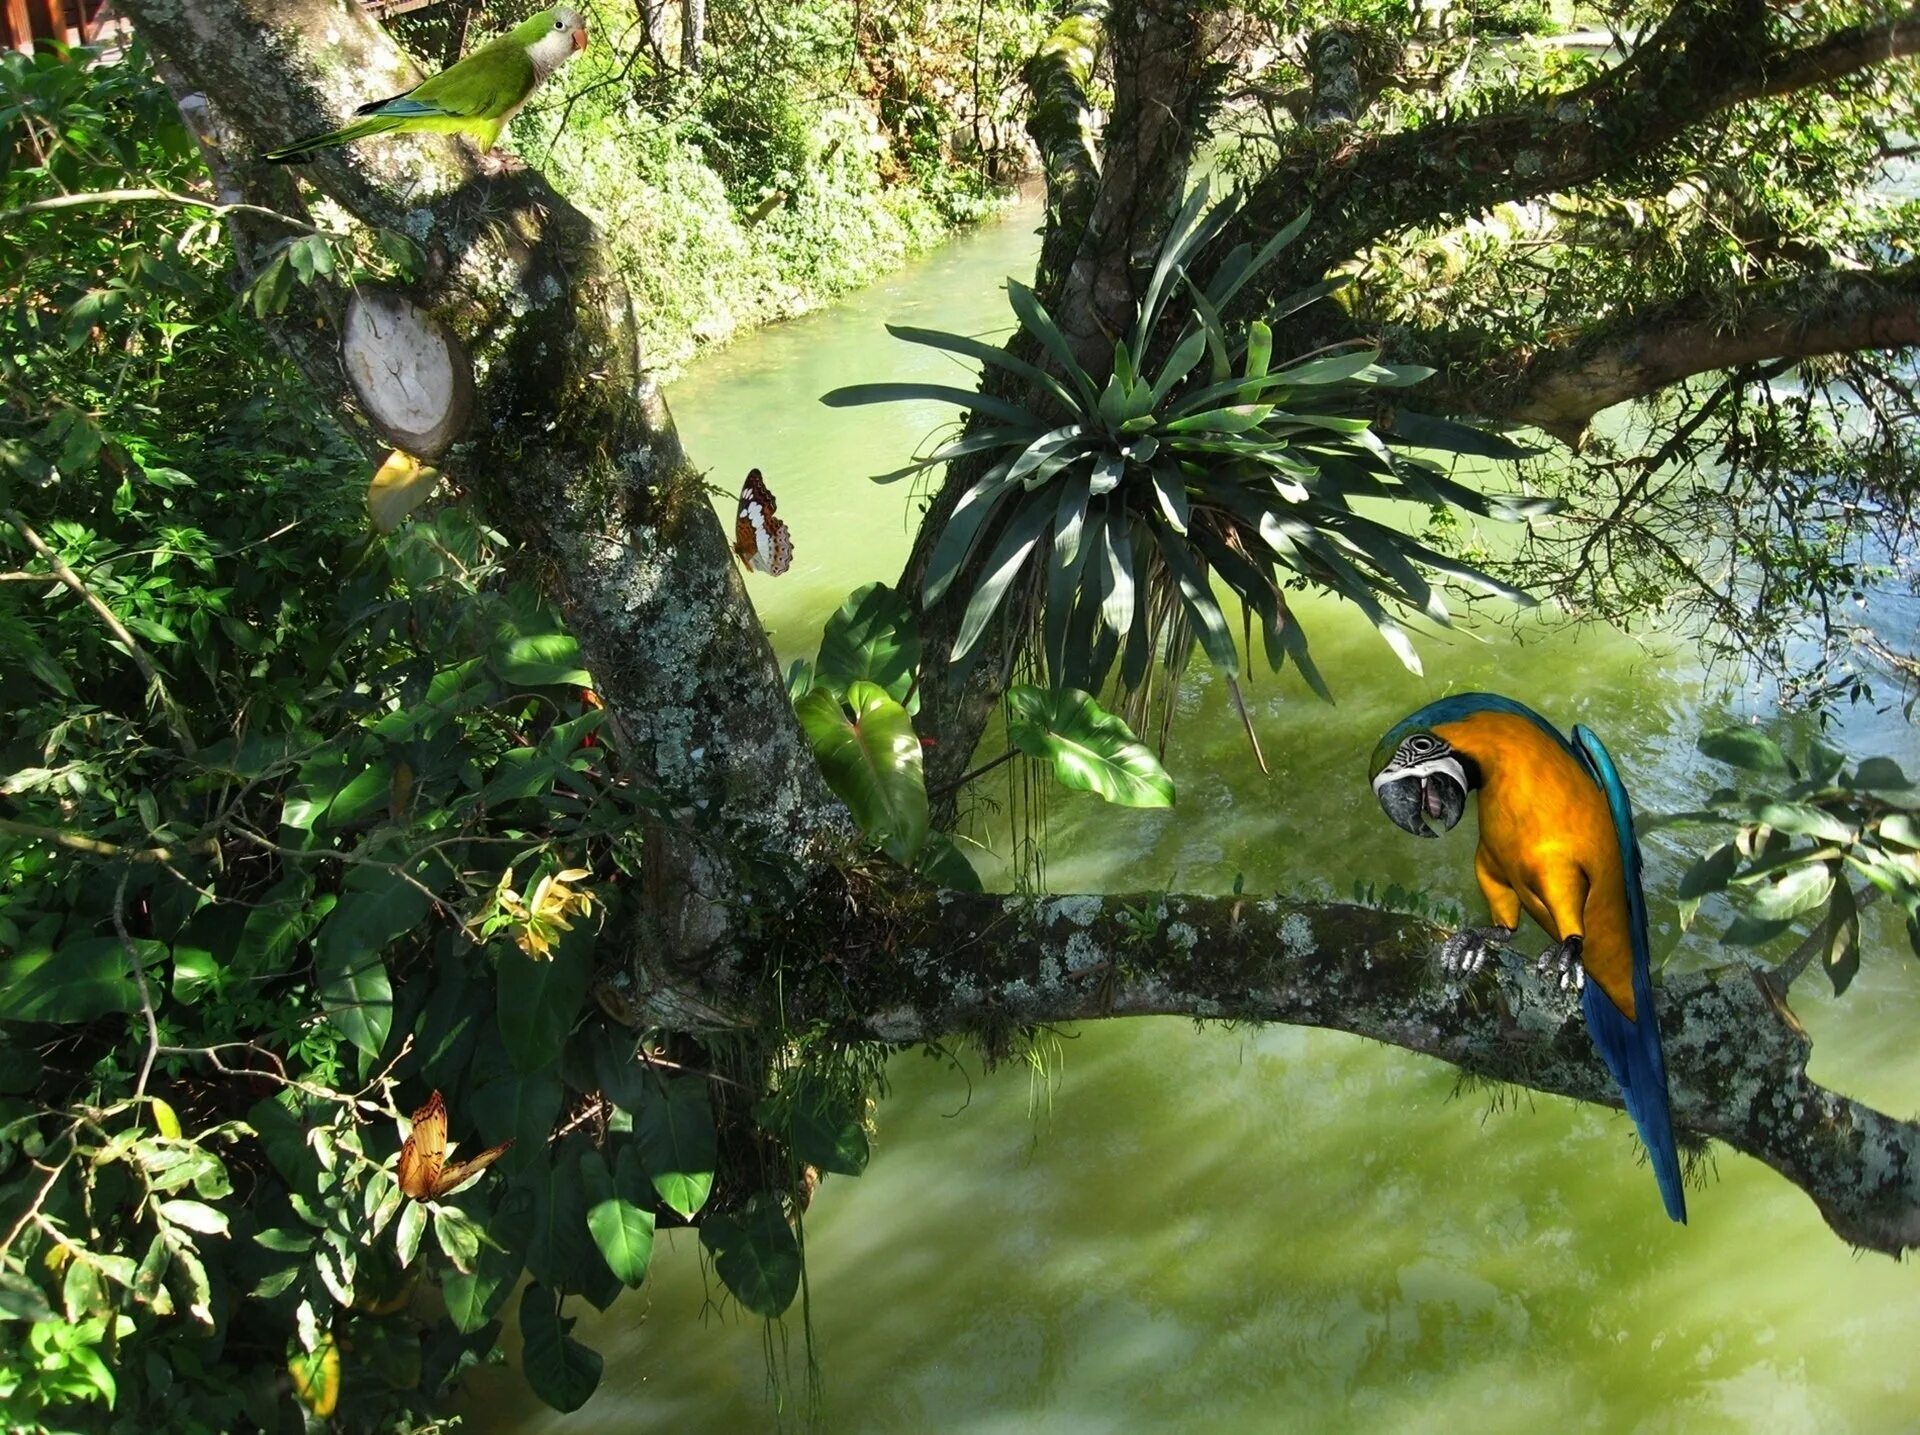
475 96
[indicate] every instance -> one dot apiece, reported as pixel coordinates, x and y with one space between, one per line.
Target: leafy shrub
1803 833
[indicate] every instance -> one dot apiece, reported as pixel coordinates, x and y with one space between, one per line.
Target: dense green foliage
856 700
816 148
300 825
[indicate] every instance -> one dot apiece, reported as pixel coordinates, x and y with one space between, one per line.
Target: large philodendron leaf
871 639
1090 749
872 762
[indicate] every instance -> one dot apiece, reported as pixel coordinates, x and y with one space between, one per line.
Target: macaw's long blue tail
1631 1050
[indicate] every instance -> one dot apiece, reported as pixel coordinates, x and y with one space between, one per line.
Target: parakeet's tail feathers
1631 1049
302 151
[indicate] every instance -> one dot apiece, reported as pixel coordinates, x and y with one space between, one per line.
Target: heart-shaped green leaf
872 762
756 1255
870 639
1090 749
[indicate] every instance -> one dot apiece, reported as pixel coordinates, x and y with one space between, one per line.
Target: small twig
39 1197
66 575
104 849
140 977
961 781
95 198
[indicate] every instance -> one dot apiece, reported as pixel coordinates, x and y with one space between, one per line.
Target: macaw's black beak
1412 800
1403 801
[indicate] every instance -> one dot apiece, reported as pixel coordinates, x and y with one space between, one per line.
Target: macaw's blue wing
1631 1049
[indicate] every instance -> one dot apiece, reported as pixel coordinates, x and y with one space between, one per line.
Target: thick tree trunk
693 34
572 451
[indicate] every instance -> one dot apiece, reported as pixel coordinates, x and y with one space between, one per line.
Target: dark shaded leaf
756 1256
538 1000
559 1369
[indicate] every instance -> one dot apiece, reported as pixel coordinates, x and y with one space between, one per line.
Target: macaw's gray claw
1561 962
1467 950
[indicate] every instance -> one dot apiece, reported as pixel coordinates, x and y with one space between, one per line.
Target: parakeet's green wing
474 96
491 81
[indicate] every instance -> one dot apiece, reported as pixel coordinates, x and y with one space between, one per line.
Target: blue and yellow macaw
1556 839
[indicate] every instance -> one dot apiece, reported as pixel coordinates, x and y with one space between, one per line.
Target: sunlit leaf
872 762
1089 749
678 1146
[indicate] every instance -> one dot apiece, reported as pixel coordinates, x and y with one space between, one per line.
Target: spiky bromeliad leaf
872 762
989 354
855 395
1090 749
1008 560
1035 319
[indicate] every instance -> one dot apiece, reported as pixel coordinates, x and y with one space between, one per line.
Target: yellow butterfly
424 1173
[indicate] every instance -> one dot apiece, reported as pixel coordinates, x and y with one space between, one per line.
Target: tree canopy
501 800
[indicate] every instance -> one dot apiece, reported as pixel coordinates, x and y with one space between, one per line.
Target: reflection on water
1215 1229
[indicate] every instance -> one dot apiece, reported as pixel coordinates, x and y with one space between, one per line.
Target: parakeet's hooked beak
579 39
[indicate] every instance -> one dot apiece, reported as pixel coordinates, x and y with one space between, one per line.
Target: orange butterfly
424 1173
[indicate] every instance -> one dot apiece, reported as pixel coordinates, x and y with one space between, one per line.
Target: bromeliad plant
1136 490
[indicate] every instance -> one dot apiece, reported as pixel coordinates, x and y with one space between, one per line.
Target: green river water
1204 1229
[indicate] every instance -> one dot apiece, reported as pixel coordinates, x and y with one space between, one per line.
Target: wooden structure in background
23 23
72 22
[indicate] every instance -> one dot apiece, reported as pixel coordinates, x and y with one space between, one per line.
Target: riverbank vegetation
308 821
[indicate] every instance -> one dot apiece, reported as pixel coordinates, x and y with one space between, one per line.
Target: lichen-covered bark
1164 88
1560 389
572 453
941 963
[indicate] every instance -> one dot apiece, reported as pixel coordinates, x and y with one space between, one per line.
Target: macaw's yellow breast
1545 826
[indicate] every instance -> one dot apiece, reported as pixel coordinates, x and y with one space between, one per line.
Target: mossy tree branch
932 965
1708 56
1560 388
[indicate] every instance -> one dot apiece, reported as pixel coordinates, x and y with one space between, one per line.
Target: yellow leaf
164 1119
400 485
316 1377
